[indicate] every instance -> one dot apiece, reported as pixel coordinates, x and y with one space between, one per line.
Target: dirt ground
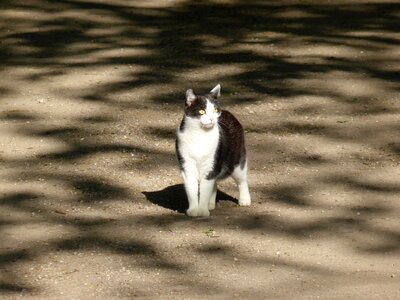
91 202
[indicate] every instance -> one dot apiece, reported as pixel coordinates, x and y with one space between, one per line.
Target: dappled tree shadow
317 71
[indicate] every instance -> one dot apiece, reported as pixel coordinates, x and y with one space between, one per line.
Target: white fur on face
210 118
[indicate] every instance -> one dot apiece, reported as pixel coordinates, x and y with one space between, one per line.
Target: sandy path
90 196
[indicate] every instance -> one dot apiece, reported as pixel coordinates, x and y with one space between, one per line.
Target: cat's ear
190 97
216 91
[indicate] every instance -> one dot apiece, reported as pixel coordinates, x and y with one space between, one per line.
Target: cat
210 147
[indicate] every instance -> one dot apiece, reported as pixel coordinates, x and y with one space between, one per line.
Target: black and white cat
210 147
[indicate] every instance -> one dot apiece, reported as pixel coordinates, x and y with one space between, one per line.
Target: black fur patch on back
231 150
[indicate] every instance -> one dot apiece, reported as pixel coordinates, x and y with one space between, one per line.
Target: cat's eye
216 110
201 112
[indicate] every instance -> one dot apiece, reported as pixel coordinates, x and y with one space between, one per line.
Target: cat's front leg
192 192
206 191
213 198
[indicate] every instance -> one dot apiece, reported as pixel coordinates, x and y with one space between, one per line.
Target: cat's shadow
174 197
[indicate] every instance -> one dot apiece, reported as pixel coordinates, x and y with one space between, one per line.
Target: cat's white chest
199 146
203 145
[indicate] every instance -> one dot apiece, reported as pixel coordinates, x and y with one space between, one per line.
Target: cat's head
204 108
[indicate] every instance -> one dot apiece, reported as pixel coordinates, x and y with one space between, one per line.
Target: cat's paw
245 201
192 212
211 205
203 213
